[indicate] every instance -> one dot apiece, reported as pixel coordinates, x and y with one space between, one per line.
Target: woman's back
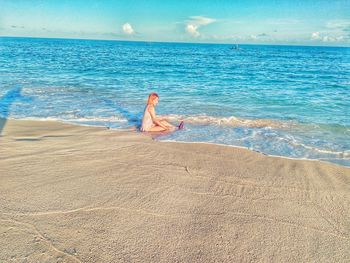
147 122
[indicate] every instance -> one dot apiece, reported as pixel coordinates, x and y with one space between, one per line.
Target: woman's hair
152 97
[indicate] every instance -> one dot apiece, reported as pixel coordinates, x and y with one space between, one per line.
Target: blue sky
304 22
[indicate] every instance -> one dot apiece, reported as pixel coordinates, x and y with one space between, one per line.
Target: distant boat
236 47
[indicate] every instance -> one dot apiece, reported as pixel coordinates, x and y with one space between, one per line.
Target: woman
150 122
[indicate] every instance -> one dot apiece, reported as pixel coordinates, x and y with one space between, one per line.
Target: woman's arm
154 118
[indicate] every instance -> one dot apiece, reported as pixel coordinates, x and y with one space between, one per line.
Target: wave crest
229 121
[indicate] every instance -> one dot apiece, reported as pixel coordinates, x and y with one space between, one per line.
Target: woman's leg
156 129
165 123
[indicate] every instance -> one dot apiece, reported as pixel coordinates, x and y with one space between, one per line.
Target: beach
73 193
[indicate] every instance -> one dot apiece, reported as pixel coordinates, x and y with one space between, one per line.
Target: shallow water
280 100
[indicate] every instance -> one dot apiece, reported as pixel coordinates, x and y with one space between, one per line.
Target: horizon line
175 42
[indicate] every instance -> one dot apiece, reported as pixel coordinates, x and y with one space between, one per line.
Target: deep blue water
290 101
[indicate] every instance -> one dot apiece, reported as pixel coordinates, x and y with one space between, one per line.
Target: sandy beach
88 194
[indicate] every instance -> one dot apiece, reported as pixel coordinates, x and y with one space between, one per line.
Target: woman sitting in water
150 122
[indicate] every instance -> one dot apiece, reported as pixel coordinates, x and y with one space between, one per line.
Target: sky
297 22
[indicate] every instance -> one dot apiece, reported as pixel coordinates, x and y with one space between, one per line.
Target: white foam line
249 149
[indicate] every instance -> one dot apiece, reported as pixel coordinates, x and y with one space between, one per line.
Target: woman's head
153 98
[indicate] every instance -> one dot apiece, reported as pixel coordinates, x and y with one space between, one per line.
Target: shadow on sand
5 104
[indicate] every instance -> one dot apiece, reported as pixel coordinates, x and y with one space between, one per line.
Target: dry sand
84 194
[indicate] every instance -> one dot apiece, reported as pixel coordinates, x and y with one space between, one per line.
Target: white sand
83 194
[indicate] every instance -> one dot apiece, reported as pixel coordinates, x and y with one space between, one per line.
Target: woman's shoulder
149 107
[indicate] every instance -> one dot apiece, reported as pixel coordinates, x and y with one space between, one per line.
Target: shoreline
134 129
73 193
255 151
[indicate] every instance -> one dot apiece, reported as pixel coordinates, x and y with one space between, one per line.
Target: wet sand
86 194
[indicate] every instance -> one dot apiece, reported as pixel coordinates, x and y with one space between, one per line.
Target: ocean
290 101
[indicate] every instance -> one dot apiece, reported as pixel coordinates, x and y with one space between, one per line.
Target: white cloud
333 31
195 22
326 38
315 36
127 29
253 37
201 20
192 30
332 39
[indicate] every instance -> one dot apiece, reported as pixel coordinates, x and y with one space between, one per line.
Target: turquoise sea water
280 100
